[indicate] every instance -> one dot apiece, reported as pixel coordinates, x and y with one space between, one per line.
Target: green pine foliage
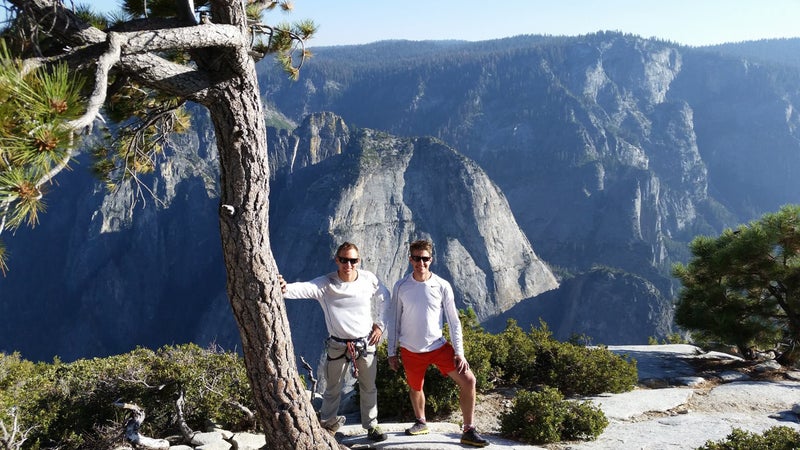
775 438
34 109
743 287
35 141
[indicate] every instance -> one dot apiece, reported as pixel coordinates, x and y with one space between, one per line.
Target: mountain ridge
609 151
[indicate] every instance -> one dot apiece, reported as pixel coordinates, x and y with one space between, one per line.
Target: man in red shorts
414 316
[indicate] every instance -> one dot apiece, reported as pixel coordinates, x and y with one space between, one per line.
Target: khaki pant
335 368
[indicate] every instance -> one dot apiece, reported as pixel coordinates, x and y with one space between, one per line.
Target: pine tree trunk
284 410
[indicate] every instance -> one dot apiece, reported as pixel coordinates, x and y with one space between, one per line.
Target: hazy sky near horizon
689 22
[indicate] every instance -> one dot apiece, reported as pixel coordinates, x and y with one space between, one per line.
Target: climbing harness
355 348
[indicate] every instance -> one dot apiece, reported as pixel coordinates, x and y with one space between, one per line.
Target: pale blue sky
690 22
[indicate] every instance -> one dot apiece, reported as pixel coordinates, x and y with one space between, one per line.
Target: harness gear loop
351 351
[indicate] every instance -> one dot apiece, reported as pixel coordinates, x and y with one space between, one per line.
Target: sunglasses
344 260
416 258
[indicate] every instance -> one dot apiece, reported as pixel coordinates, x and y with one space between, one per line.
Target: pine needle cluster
35 139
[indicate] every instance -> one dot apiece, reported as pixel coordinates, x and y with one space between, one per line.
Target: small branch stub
228 210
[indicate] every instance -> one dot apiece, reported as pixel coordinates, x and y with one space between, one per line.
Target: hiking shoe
471 437
419 427
376 434
333 424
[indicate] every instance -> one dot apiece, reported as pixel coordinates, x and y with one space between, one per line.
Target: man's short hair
420 245
347 246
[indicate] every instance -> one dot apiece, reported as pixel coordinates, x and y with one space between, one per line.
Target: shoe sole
474 444
417 433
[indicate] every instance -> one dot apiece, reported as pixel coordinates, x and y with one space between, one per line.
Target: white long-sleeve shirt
415 314
347 305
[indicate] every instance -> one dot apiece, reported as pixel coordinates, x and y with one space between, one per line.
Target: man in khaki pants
347 297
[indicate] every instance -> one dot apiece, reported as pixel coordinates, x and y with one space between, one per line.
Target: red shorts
415 364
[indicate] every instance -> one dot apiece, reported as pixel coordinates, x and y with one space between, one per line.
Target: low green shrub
535 358
479 346
545 417
71 405
673 338
775 438
514 352
578 370
584 421
24 391
535 417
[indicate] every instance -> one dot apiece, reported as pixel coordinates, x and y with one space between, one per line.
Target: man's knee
467 380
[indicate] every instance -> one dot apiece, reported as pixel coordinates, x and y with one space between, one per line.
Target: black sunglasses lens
420 258
344 260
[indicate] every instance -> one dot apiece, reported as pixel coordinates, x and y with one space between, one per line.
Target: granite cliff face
102 275
607 152
153 275
582 136
612 150
382 192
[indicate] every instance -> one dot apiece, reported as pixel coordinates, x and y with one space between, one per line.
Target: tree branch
60 21
3 214
175 79
249 415
307 366
13 440
147 68
186 12
183 38
57 168
132 429
187 433
77 59
98 97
